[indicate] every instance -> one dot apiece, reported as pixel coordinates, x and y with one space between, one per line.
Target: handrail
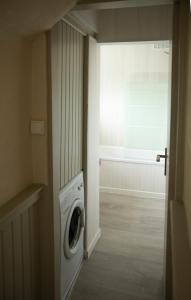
20 202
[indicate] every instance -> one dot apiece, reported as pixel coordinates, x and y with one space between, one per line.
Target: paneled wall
67 111
120 177
19 247
133 173
71 103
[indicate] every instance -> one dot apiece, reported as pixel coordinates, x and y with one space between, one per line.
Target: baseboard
132 193
92 245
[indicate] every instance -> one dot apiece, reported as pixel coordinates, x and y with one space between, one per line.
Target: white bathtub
131 172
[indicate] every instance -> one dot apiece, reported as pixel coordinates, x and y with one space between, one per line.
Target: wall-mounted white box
37 127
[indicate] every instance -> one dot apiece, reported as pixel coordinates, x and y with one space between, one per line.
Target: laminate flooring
127 263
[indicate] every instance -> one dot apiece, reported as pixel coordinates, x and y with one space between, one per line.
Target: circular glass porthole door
74 228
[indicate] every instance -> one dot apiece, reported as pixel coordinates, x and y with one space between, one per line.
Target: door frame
175 182
176 151
179 46
176 140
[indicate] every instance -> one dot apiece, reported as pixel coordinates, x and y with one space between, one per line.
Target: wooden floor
127 263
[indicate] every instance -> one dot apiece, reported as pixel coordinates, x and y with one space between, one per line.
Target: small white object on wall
37 127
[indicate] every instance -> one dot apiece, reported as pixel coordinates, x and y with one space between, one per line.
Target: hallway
127 263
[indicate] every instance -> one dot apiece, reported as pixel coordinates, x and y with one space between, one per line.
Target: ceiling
27 17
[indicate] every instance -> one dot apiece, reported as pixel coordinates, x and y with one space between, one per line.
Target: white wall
134 95
135 24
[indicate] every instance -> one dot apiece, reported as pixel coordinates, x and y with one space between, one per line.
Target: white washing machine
72 233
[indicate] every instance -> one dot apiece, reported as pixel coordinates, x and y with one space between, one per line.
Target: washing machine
72 233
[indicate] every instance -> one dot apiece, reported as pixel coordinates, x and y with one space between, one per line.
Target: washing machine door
74 228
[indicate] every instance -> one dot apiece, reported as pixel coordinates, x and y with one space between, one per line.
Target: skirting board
92 245
132 193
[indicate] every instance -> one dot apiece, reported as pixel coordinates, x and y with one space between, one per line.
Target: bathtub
131 172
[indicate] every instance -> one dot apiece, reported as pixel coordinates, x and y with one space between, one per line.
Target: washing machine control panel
73 191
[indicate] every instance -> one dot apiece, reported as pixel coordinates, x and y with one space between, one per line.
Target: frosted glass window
134 93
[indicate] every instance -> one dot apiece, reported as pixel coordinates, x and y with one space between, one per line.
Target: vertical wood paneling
74 103
77 103
18 257
122 176
63 102
18 235
34 247
65 148
71 103
26 255
9 270
78 100
56 67
1 268
81 102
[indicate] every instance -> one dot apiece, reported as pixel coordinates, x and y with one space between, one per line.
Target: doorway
128 261
134 96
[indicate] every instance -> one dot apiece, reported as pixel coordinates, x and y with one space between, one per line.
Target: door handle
165 156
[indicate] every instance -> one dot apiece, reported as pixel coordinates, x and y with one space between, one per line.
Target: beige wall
40 163
23 96
15 98
24 157
39 109
135 24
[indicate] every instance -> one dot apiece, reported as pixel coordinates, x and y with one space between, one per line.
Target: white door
92 233
166 157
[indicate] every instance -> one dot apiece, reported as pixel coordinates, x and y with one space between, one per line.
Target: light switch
37 127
